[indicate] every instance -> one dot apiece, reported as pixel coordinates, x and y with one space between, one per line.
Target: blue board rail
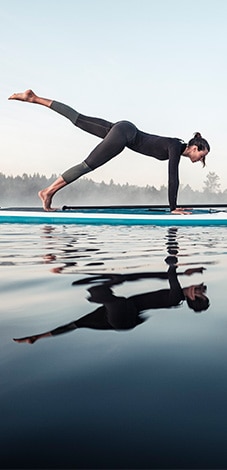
117 215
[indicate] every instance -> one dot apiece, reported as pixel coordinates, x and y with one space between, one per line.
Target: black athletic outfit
120 313
117 136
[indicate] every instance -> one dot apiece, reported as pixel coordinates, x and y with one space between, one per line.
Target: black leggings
115 138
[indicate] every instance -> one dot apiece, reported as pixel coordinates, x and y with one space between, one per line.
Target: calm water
111 367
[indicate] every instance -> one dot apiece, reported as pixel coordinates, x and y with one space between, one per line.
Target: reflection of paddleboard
115 215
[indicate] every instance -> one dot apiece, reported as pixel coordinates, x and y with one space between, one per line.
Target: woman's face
197 290
194 154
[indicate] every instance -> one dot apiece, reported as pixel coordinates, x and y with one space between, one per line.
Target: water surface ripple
113 347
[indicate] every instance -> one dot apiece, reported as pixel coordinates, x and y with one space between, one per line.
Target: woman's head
196 298
197 149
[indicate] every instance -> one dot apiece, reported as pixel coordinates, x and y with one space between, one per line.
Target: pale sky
161 64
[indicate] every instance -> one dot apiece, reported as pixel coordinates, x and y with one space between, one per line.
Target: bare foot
28 339
46 199
57 270
27 95
32 339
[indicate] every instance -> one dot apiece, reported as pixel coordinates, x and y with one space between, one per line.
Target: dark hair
198 304
201 143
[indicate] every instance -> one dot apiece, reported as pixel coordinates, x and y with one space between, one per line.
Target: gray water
136 384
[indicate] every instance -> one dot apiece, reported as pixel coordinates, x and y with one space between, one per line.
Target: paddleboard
114 215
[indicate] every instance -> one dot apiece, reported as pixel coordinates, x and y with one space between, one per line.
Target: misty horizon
23 190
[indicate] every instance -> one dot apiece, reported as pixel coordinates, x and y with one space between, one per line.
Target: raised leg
30 97
115 138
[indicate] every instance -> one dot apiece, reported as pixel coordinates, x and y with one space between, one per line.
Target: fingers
180 211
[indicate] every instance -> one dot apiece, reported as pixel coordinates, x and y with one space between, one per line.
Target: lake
113 347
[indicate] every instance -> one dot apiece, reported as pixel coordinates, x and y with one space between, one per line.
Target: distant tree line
22 191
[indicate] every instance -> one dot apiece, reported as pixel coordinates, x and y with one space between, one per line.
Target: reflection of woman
120 313
117 136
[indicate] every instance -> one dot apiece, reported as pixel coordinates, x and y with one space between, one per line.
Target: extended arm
173 178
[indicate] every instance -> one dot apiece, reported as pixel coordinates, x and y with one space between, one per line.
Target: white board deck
117 216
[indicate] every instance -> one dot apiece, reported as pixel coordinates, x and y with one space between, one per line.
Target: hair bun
197 135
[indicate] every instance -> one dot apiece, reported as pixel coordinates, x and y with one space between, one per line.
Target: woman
120 313
117 136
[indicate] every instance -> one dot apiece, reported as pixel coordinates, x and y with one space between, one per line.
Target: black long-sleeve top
162 148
